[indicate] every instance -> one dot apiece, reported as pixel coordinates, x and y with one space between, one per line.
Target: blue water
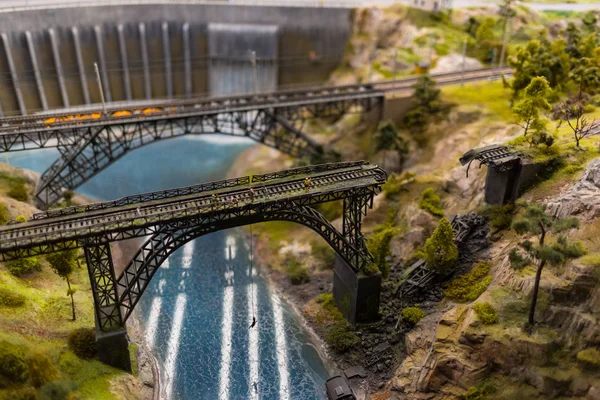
197 310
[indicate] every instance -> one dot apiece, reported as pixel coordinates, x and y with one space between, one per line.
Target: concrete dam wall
161 51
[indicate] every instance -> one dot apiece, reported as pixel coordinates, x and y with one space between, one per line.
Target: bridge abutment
355 294
113 348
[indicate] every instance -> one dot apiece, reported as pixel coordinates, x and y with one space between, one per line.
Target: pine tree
536 221
64 263
440 250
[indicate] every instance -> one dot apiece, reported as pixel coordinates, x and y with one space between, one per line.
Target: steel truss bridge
276 119
173 217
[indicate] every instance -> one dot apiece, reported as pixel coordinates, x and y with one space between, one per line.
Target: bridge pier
58 65
355 294
80 65
36 70
145 62
113 348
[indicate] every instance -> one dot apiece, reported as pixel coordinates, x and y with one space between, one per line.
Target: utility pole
254 71
395 62
504 41
100 87
464 57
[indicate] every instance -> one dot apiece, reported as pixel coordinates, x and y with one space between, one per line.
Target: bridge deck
135 216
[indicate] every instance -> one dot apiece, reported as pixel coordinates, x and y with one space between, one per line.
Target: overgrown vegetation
589 358
296 271
63 263
412 314
82 342
379 246
499 217
483 391
13 367
426 104
338 333
486 313
431 202
396 183
9 298
41 369
387 138
470 286
440 250
23 266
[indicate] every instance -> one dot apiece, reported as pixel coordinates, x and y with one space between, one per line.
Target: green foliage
517 261
412 314
426 103
483 391
331 210
23 266
371 269
57 390
379 246
21 218
340 337
4 214
63 263
297 273
8 298
82 342
431 202
18 191
395 183
591 259
68 196
589 358
470 286
499 217
324 253
41 369
13 368
440 250
328 303
486 313
23 393
387 138
484 38
528 110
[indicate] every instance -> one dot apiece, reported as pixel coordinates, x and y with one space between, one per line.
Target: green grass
491 96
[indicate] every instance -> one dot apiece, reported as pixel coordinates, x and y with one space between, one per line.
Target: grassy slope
44 322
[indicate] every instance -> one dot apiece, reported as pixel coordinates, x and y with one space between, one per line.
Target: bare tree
572 114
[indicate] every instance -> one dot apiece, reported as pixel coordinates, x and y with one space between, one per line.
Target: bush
340 337
24 393
412 314
13 368
23 266
331 210
8 298
4 214
41 369
18 191
371 269
379 246
395 183
517 261
480 392
431 202
324 253
499 217
592 259
468 287
589 358
328 303
297 273
440 250
486 313
57 390
82 342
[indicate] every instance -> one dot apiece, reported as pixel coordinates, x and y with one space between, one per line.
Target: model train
113 114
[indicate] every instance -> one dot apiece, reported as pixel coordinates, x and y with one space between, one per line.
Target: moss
4 214
592 259
499 217
340 337
486 313
491 97
470 286
82 342
589 358
133 356
18 191
412 314
331 210
371 269
431 202
23 393
57 390
9 298
23 266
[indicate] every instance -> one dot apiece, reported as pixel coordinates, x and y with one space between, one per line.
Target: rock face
454 63
583 198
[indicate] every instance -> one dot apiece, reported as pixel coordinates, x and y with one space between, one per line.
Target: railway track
182 108
80 223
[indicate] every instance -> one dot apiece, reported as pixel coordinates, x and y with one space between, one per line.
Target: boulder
582 199
454 63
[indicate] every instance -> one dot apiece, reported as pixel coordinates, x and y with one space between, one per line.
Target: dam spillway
161 51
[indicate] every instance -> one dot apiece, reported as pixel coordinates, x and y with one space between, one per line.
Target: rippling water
198 308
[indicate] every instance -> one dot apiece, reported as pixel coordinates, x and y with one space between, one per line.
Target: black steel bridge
170 218
90 142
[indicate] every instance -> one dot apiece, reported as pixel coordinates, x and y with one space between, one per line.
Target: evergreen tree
586 75
536 221
426 94
485 39
528 110
440 250
64 263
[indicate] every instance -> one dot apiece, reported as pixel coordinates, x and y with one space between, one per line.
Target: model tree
535 221
528 112
64 263
573 116
440 250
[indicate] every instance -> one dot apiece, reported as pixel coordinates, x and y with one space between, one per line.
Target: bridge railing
310 169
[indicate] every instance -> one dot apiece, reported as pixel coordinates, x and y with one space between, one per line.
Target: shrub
468 287
23 393
328 303
57 390
340 337
23 266
331 210
379 247
412 314
371 269
41 369
517 261
486 313
13 368
440 250
82 342
592 259
431 202
324 253
21 218
18 191
499 217
482 391
589 358
4 214
297 273
9 298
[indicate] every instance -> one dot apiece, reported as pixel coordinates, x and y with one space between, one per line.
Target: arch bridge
170 218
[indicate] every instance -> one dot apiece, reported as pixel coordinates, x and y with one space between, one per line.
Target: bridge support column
144 50
355 294
113 348
80 65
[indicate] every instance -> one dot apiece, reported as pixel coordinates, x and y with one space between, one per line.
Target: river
198 307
